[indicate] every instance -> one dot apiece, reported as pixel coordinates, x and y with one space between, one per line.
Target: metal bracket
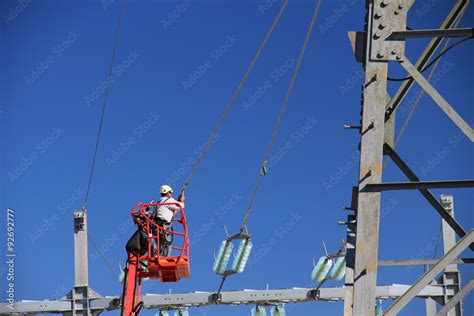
388 16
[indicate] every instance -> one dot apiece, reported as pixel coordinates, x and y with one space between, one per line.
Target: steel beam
370 171
81 295
451 278
418 185
449 236
421 262
425 192
295 295
402 35
81 271
452 17
430 306
63 306
437 98
271 296
456 298
429 275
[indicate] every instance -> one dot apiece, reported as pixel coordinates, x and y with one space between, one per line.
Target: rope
422 92
104 105
234 96
263 170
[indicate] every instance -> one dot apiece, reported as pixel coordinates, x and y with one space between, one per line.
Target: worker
164 215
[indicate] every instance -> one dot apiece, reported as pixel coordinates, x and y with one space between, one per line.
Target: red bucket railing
142 215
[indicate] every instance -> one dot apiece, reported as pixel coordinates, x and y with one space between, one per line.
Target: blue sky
173 78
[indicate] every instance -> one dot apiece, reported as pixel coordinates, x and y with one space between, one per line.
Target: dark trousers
166 238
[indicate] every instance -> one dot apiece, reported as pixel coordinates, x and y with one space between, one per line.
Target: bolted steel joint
384 3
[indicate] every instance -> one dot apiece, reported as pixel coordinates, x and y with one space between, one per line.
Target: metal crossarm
417 185
423 262
402 35
199 299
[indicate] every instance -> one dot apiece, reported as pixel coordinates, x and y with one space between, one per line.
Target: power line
263 170
104 105
234 96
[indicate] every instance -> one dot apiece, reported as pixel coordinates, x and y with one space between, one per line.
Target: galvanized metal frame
418 185
201 299
422 262
456 300
385 33
370 171
451 278
429 275
383 41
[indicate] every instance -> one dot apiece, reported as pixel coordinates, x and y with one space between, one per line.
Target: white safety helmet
165 189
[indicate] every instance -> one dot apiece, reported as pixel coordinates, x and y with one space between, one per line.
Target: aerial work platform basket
146 261
170 268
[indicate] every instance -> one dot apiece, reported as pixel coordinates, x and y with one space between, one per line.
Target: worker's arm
180 202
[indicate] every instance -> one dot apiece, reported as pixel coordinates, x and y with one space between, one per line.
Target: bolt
394 52
376 36
379 55
382 26
377 15
384 3
396 12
